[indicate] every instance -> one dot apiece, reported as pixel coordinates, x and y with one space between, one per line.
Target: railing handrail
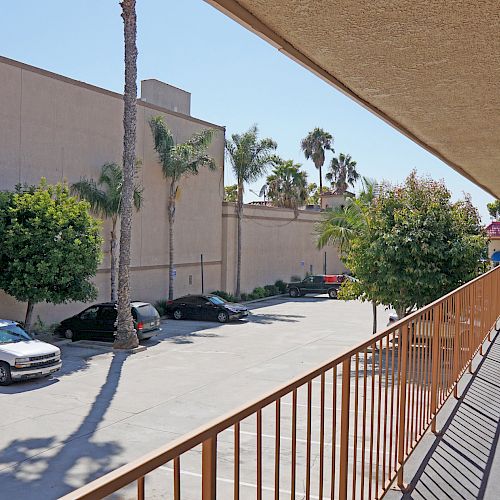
141 466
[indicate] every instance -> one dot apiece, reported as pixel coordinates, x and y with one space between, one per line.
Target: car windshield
217 301
13 333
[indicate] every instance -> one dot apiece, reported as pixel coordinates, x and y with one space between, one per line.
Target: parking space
106 408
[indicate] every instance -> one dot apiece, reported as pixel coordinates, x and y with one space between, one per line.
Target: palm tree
178 161
314 146
342 173
341 225
126 336
287 185
105 202
230 193
249 157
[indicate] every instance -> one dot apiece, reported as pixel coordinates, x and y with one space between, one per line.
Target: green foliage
259 293
231 193
315 144
281 286
271 290
183 159
161 307
342 173
40 326
105 194
295 277
225 296
249 156
49 245
287 185
494 209
416 245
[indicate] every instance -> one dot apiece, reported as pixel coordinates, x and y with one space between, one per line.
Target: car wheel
222 317
5 377
178 314
332 293
294 292
69 334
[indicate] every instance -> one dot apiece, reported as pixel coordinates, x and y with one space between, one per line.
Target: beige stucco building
62 129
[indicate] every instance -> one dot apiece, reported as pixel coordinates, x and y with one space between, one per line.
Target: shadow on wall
29 470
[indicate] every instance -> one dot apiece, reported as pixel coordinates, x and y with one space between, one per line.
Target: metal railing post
209 469
344 428
472 319
402 404
436 356
457 343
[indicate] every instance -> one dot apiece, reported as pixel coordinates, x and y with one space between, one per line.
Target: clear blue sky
235 78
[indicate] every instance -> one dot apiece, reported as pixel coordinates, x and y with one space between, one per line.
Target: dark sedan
205 307
99 322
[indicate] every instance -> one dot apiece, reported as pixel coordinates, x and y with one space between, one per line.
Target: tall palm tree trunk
171 220
374 310
126 337
320 168
114 262
238 250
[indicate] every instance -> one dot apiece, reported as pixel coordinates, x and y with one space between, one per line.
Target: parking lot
107 408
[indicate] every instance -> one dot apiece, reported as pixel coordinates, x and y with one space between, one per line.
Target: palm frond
88 190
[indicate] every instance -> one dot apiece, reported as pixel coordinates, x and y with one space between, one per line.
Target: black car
99 322
205 307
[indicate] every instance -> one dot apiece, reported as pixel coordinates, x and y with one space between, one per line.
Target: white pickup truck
22 357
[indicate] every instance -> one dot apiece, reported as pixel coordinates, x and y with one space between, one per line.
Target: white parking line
299 440
316 407
245 484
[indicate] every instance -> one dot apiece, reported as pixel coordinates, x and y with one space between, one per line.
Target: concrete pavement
106 409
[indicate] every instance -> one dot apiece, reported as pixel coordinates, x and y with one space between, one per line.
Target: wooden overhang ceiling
430 68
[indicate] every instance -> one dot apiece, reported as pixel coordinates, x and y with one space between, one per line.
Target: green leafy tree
177 162
126 336
49 247
342 173
287 185
494 209
231 193
340 227
314 146
419 245
104 196
250 158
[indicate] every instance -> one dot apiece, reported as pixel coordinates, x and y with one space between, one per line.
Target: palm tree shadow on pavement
54 467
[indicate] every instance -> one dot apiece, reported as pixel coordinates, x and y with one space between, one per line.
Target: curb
105 346
264 298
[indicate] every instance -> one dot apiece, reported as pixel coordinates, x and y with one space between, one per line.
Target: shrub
271 290
225 296
259 293
281 286
40 326
161 307
295 278
244 297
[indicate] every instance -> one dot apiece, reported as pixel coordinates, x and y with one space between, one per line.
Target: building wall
278 243
62 129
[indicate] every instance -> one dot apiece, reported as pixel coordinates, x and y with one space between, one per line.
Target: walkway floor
463 462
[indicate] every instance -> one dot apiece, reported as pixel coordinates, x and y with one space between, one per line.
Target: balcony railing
343 430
